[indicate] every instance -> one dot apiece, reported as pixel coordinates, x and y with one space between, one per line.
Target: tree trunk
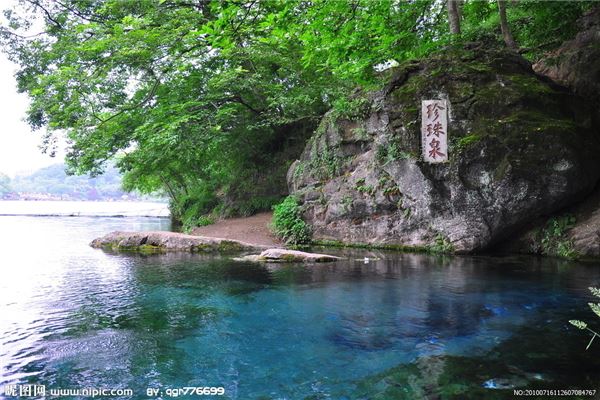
506 33
454 16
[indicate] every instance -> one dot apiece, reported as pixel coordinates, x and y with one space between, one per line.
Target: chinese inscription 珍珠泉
434 133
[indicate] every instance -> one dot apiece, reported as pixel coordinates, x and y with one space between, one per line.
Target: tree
210 100
506 32
190 97
454 16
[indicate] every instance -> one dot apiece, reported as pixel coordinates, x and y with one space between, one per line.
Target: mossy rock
161 242
520 147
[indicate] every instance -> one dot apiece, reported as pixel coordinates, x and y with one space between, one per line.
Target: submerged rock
285 255
169 241
520 147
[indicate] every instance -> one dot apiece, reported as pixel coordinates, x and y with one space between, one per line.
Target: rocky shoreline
163 242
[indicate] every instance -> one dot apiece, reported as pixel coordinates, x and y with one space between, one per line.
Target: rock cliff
520 147
574 231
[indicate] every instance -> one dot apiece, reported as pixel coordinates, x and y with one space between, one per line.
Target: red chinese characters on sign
435 149
434 126
437 129
433 110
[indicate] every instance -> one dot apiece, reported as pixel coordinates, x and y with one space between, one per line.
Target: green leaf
578 324
595 308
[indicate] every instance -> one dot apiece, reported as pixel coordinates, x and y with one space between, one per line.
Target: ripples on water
407 326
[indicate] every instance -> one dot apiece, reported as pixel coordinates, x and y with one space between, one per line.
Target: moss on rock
160 242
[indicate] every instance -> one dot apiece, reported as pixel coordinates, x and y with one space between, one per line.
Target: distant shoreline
86 215
83 208
89 201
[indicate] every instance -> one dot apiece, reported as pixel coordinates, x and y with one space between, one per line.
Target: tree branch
48 14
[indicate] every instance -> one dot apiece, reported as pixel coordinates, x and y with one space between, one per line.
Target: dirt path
254 230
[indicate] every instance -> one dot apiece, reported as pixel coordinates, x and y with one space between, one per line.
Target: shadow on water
532 358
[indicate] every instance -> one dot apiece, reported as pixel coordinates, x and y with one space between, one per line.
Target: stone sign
434 125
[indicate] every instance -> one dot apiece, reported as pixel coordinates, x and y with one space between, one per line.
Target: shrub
192 208
192 222
554 237
287 223
248 206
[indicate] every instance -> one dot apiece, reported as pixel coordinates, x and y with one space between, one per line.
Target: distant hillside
53 183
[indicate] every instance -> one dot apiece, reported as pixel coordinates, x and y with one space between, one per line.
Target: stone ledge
162 241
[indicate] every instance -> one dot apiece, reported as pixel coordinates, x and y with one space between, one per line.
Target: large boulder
519 147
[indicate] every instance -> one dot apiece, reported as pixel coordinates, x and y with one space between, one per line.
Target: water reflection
73 316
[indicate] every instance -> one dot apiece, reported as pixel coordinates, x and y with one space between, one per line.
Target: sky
19 146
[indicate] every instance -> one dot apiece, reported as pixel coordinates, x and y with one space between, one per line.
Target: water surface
83 208
405 326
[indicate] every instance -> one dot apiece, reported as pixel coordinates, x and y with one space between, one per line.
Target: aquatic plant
596 309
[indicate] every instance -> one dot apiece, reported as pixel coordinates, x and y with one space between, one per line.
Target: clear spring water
406 326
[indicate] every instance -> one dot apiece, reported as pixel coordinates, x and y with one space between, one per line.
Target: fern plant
596 309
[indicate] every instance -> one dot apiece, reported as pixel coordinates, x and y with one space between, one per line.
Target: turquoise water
404 326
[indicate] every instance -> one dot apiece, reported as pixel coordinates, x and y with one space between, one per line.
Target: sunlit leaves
194 96
578 324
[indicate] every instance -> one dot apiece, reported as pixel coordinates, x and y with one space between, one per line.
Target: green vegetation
554 240
351 108
362 187
378 246
595 307
441 244
347 202
392 152
209 101
326 164
466 141
190 222
288 223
